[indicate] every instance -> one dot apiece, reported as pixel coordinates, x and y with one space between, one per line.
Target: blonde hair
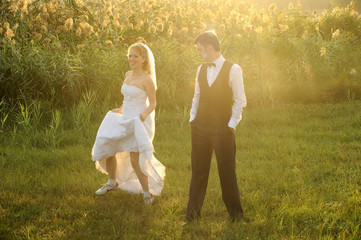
142 50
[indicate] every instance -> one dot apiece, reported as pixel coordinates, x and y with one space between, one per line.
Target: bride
123 146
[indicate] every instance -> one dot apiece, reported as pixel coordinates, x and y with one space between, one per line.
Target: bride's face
135 59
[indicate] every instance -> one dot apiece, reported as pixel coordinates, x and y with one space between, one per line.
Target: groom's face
203 51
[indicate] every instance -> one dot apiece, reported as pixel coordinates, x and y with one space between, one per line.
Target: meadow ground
298 172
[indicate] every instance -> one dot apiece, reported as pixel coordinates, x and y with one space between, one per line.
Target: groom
216 110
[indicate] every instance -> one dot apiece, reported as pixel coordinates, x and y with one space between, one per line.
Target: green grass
298 171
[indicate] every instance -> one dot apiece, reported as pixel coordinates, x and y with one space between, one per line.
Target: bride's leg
111 165
143 179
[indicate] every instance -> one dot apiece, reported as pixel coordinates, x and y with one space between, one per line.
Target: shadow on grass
116 215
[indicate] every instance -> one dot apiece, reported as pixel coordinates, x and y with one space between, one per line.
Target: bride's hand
143 116
116 110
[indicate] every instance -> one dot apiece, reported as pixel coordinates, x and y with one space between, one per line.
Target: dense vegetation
57 51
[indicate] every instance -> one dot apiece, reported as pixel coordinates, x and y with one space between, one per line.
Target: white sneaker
148 198
106 188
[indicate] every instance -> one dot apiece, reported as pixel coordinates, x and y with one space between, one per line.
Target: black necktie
210 64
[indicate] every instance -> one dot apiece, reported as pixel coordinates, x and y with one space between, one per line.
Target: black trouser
204 140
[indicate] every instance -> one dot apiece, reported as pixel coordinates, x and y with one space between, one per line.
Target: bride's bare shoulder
148 80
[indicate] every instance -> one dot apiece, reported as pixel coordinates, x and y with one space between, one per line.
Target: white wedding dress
120 134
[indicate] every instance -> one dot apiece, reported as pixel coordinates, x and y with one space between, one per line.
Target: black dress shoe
240 219
186 222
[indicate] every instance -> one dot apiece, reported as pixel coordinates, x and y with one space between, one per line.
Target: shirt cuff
193 116
232 124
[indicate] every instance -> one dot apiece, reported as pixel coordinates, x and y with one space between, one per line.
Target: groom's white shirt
235 82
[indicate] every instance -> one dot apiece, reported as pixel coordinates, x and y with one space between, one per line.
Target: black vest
215 102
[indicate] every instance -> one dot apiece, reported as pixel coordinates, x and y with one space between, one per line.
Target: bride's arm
118 110
150 89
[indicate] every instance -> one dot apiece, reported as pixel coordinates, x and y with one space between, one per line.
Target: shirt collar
219 61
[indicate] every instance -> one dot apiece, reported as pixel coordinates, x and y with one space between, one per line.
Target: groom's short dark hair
208 38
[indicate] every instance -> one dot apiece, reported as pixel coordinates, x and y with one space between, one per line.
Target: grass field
298 172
